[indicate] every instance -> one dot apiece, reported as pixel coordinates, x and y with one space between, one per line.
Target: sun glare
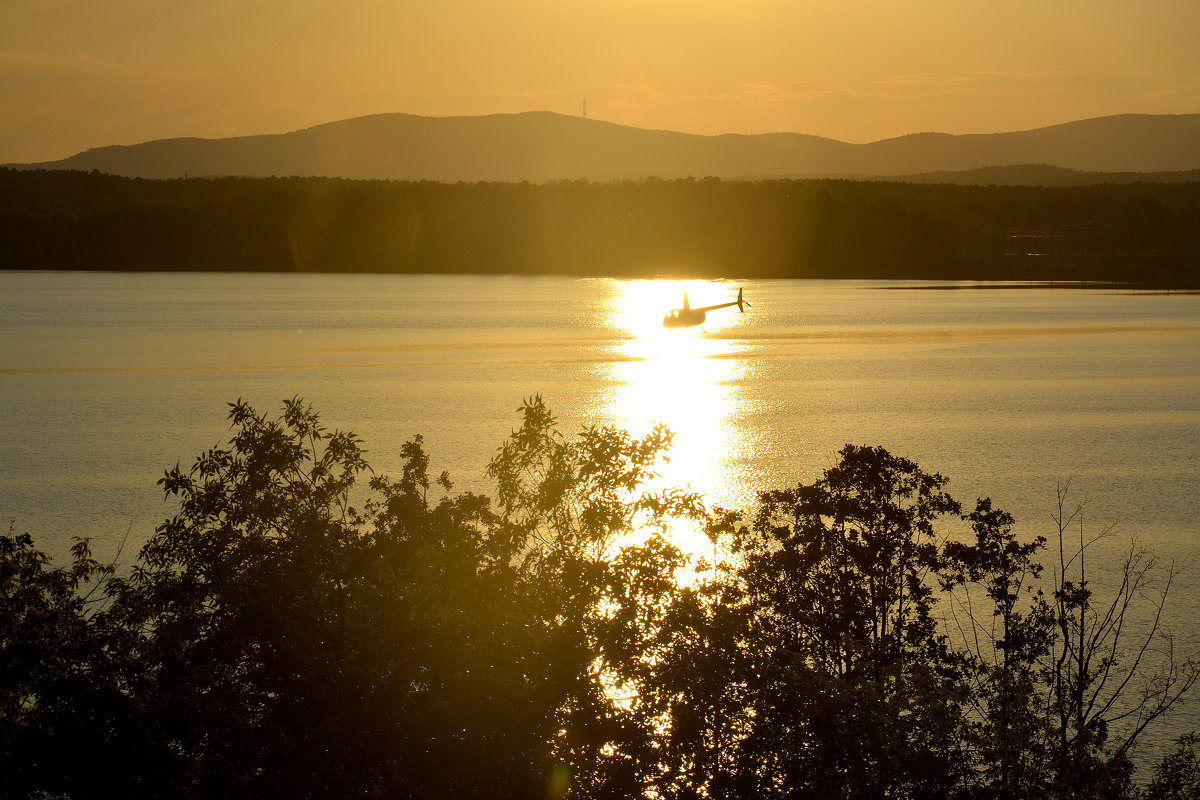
687 378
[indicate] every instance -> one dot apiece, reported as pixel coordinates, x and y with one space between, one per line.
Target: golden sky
83 73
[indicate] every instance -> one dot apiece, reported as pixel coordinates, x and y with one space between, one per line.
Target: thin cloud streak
16 63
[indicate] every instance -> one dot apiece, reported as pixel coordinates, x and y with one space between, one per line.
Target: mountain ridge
541 146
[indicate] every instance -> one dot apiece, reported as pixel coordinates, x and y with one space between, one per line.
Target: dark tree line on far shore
1141 233
287 635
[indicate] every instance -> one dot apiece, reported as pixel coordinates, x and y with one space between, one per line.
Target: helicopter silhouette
688 317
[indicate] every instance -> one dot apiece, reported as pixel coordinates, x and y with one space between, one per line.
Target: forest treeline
288 635
1142 233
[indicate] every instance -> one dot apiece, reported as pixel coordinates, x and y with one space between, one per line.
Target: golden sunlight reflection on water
691 379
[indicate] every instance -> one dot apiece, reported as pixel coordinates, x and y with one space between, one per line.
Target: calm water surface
108 379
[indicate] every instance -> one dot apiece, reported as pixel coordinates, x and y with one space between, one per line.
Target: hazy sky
82 73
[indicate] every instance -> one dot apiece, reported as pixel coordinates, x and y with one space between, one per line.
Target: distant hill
542 146
1045 175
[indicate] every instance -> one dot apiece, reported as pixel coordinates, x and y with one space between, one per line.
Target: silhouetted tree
63 711
1107 679
598 595
1177 776
1008 729
843 686
296 646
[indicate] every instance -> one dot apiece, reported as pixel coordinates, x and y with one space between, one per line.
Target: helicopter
687 316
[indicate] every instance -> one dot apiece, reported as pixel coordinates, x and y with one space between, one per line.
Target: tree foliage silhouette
1144 233
845 684
291 632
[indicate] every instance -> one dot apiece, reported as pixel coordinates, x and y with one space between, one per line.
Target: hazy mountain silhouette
542 146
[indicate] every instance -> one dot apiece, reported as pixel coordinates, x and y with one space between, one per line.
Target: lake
107 379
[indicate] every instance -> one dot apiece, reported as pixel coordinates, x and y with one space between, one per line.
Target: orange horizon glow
75 75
